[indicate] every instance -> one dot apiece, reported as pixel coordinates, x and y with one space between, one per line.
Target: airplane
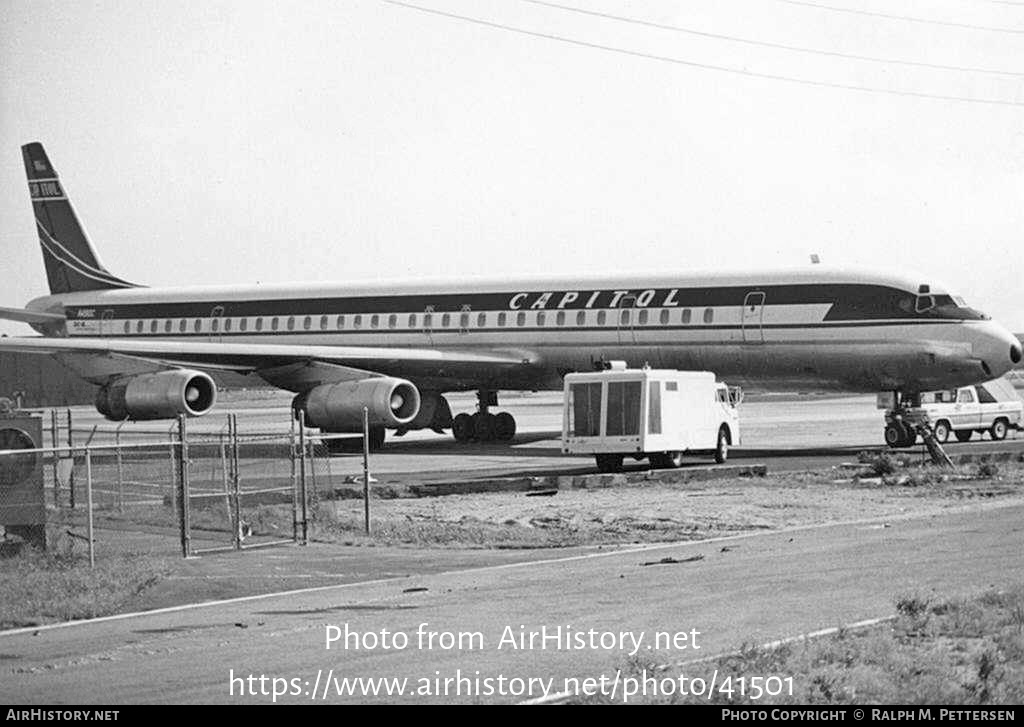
397 347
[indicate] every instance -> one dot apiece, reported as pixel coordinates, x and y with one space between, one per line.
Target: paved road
765 586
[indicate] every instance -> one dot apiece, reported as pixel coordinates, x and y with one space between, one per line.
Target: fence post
54 437
71 454
120 468
171 446
366 469
183 503
302 477
295 484
88 502
233 435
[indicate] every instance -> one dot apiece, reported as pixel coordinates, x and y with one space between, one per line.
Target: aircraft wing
286 365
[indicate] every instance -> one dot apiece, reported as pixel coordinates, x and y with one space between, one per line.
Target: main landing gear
483 426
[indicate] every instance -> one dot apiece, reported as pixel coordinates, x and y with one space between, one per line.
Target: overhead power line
768 44
907 18
694 64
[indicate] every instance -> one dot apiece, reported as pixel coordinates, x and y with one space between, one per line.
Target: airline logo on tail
45 189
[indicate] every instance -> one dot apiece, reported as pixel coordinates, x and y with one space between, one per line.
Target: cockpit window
924 303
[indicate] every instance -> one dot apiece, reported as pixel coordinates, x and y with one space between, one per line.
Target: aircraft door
216 323
752 318
625 320
107 323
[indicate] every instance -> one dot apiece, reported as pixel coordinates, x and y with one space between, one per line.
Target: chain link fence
159 491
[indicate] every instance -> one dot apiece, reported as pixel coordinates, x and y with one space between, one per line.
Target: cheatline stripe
88 267
75 263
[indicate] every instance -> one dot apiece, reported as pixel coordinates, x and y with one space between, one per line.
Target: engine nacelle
338 407
163 395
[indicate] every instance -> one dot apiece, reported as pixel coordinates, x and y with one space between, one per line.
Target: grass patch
37 587
958 651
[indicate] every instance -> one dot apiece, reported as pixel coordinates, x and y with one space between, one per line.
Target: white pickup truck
993 407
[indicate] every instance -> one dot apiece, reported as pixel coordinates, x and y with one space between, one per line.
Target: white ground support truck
658 414
994 407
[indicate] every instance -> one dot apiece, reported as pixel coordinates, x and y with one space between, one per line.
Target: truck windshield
623 408
585 404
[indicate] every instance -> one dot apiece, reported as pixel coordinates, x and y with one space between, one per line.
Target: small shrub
987 470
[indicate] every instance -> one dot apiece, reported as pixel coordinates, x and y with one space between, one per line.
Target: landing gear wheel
504 427
941 432
462 428
898 435
964 435
998 430
722 448
608 462
483 426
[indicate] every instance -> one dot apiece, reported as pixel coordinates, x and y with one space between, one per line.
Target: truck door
966 412
752 318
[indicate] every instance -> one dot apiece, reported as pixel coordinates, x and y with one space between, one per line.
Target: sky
236 142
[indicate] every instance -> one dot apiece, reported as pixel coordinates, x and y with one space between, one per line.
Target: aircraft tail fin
71 262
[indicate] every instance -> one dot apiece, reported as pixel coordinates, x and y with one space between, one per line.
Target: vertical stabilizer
71 263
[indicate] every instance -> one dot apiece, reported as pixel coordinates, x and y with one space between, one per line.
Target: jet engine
163 395
339 407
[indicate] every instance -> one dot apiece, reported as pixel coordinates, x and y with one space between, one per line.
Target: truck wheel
942 432
964 435
722 448
998 430
608 462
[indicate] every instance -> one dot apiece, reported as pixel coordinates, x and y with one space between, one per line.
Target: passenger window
127 327
601 318
664 317
259 324
152 327
182 325
671 386
167 326
643 318
502 319
581 318
984 397
291 323
428 320
138 327
393 321
227 324
215 325
624 318
686 315
464 320
481 320
374 320
198 327
560 318
965 397
520 319
709 315
445 320
357 322
412 320
243 324
323 323
340 323
541 318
